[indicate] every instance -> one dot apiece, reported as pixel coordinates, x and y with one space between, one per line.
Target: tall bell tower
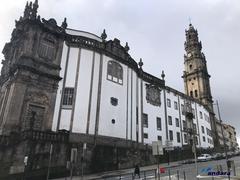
196 77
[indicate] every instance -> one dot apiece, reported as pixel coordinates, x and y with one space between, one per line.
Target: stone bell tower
196 77
30 73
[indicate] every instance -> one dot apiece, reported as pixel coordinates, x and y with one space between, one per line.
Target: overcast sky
155 31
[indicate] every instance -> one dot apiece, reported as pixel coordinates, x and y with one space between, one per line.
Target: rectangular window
168 102
196 140
193 112
171 135
46 49
203 130
159 138
206 118
204 139
178 137
184 125
209 132
194 127
159 124
185 138
182 107
175 105
201 116
145 120
68 96
177 122
169 120
145 135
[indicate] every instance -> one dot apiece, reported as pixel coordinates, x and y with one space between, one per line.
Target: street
149 172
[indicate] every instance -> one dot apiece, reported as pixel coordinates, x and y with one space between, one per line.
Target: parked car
204 157
217 156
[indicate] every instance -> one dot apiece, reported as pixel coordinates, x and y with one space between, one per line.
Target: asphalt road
188 169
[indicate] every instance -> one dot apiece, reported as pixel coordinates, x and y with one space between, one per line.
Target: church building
65 93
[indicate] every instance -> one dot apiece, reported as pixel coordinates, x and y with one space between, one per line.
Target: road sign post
157 150
73 160
169 147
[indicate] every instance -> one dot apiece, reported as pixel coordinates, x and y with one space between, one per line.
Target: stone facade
28 84
229 134
30 73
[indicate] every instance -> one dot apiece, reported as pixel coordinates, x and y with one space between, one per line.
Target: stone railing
34 135
45 135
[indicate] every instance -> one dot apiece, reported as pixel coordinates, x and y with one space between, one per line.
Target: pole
158 162
224 142
194 148
71 171
195 154
25 167
169 174
24 172
49 162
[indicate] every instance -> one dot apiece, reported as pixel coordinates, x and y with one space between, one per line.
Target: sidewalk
122 171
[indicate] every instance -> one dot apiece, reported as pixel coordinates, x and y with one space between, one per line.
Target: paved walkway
118 172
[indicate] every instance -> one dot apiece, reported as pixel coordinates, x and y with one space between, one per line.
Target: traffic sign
169 148
157 148
169 145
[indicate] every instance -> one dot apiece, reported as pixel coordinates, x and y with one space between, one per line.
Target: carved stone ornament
153 95
37 98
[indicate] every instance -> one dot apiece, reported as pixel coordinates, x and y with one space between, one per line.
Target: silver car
204 157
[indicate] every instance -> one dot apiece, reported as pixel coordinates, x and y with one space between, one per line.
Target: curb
123 172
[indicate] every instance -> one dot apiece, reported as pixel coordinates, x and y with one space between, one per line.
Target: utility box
231 166
238 171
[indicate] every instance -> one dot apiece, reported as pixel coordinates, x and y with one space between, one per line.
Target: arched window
191 93
115 72
190 66
196 93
